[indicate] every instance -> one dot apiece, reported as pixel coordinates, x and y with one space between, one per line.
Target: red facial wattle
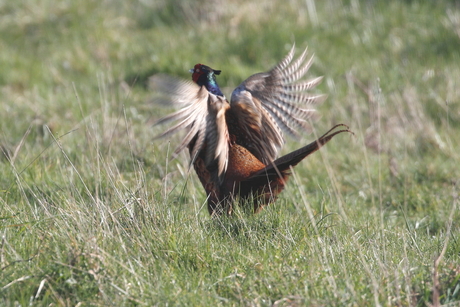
197 72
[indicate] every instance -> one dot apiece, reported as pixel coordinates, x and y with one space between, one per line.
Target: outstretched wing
269 104
201 114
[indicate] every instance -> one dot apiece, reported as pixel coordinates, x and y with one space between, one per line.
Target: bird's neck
209 81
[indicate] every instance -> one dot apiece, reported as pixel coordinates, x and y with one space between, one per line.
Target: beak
191 71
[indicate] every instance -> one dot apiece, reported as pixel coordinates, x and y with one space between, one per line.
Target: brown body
248 179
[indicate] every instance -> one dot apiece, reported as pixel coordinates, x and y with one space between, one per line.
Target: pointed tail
281 166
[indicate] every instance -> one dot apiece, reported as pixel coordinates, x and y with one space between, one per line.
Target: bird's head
202 72
206 76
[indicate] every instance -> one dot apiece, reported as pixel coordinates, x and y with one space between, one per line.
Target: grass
92 212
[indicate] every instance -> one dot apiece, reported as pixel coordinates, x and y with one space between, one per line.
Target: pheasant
233 144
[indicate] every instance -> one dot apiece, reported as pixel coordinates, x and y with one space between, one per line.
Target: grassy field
93 213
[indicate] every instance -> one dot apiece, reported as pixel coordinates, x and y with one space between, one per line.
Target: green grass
93 213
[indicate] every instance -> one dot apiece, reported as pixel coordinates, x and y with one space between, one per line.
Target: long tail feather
281 165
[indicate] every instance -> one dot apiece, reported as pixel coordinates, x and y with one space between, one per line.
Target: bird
233 145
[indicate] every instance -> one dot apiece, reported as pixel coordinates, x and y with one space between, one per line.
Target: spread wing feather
303 86
201 113
280 96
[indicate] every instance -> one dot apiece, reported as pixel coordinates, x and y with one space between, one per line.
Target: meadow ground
93 213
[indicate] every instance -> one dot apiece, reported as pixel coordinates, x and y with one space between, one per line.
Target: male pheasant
233 145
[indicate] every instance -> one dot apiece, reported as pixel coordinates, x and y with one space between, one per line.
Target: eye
197 70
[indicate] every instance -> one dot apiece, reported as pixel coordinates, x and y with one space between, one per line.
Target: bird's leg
218 207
